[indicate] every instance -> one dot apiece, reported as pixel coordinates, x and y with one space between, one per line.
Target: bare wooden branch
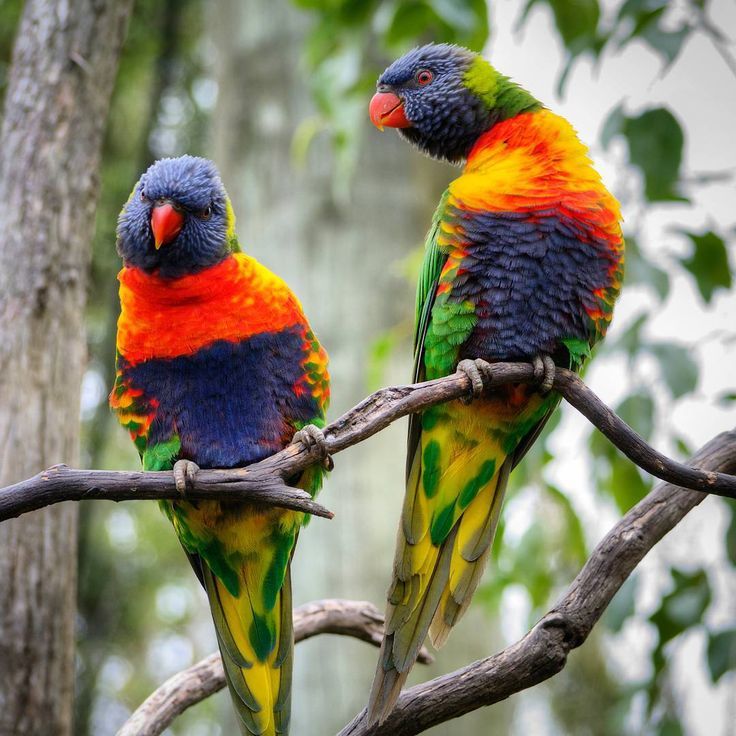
543 652
62 483
264 482
358 619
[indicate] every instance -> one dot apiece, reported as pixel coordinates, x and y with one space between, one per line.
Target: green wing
429 276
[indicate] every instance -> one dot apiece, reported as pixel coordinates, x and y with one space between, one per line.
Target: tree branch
359 619
265 482
543 652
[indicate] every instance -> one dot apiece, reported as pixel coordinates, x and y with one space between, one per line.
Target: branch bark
264 482
543 652
358 619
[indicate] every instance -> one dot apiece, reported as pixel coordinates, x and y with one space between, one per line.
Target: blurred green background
276 93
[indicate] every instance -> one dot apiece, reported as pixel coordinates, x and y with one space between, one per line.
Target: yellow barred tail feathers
433 585
472 547
259 682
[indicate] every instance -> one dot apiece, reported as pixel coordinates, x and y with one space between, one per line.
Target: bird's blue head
443 98
178 219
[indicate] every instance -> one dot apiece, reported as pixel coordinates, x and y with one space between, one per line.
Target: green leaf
613 126
451 21
727 398
616 474
637 411
625 484
630 340
574 536
721 653
655 141
640 270
708 263
683 607
647 17
679 370
670 726
577 22
634 8
622 606
683 447
731 536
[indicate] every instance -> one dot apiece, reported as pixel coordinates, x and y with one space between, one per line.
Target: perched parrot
523 261
217 367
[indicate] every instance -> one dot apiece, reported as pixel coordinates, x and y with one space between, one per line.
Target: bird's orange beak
387 109
166 222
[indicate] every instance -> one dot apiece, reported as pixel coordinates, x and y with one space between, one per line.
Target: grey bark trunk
64 66
342 259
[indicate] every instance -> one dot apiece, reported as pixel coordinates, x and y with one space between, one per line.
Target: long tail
257 643
434 582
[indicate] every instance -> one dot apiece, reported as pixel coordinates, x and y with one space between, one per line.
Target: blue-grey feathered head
443 97
177 220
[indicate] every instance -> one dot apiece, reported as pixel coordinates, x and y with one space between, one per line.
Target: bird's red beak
166 222
387 109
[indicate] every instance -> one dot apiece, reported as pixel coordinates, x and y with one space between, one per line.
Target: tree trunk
64 66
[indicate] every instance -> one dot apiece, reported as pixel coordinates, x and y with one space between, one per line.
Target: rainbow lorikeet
523 261
217 367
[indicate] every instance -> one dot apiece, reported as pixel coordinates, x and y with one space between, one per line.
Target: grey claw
544 372
478 371
313 437
185 471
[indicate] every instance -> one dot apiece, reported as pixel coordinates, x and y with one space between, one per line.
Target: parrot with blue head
217 367
523 262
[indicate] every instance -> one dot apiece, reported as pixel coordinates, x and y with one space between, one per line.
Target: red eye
424 76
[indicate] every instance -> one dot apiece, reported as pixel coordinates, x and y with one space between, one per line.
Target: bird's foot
544 372
478 371
312 436
184 473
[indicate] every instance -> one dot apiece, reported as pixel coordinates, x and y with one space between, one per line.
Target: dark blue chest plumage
532 278
230 403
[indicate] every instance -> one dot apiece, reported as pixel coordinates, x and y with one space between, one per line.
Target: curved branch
62 483
358 619
264 482
543 652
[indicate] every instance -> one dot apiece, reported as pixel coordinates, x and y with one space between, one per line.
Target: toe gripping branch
313 437
478 372
544 372
185 472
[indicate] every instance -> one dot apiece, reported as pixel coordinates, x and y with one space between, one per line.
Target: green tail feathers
257 646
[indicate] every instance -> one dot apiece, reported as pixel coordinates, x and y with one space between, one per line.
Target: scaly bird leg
184 474
478 371
544 372
312 436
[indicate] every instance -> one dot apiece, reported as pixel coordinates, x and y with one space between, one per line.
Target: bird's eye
206 213
143 195
424 77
